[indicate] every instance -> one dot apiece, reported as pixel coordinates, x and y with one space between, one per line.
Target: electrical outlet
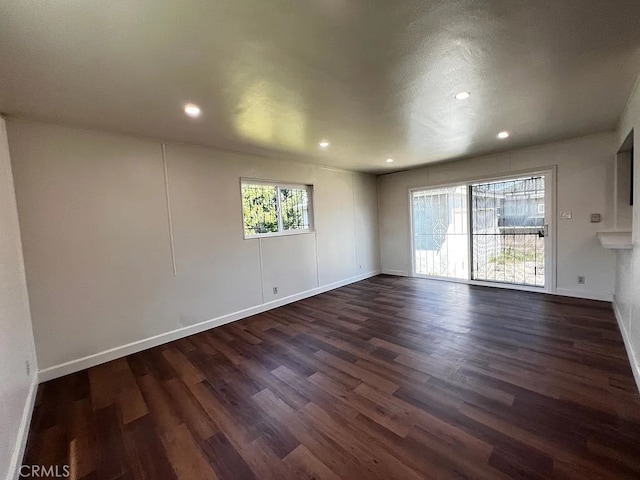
275 290
566 215
581 280
596 218
28 367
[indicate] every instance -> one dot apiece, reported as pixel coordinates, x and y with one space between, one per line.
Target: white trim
279 186
567 292
134 347
469 188
633 359
561 292
284 233
23 432
397 273
508 286
412 252
270 182
551 238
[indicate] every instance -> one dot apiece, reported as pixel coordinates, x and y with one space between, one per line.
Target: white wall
623 209
94 219
16 338
627 292
585 169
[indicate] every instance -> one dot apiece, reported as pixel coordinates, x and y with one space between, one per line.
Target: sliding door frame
549 173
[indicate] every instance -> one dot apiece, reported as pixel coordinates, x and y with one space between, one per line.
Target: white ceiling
374 77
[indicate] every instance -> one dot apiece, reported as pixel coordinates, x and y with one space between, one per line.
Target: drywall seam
169 219
261 269
627 106
355 223
315 239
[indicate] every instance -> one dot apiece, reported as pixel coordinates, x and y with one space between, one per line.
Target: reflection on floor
389 378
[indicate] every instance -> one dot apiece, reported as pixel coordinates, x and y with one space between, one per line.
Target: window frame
278 185
551 174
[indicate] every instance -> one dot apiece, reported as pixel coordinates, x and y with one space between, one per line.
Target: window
275 209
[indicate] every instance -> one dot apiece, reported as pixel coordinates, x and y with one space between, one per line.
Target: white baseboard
23 432
633 359
565 292
397 273
134 347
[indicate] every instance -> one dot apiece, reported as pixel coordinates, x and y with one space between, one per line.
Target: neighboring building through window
275 209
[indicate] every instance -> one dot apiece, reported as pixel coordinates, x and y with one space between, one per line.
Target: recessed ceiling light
462 95
502 135
389 160
324 144
192 110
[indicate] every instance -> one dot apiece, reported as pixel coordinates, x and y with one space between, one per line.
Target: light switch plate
566 215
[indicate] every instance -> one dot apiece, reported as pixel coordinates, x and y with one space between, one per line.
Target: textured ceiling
374 77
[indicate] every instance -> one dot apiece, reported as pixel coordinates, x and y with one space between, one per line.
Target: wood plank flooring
389 378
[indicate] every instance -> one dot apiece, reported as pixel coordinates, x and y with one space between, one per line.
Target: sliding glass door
440 232
509 231
486 232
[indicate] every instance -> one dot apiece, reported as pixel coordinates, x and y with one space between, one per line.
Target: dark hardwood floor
389 378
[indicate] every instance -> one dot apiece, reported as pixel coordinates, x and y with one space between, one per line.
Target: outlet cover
581 280
566 215
275 290
596 218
